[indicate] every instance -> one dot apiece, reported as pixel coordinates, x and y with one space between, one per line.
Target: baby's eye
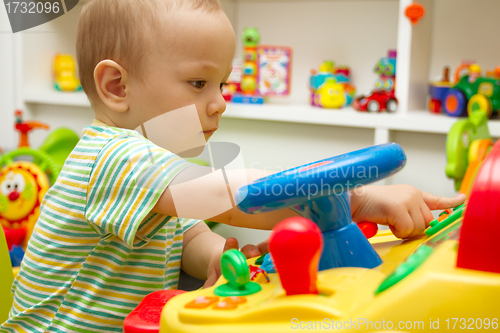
222 86
198 84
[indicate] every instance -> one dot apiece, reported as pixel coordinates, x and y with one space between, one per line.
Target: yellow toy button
225 305
201 302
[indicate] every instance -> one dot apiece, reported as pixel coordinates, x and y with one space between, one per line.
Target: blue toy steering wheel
319 191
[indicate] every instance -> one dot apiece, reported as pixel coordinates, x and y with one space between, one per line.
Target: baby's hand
404 208
248 250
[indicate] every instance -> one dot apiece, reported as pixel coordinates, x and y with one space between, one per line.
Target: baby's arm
205 191
202 250
404 208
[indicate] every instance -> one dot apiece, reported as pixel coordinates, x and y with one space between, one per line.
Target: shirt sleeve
129 175
187 224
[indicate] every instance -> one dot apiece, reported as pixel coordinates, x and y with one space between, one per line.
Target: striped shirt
97 248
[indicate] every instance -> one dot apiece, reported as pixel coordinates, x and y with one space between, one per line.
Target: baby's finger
402 226
418 222
435 202
264 246
250 251
210 281
426 213
231 243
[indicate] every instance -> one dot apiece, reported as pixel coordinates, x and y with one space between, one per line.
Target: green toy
6 280
468 95
251 37
458 141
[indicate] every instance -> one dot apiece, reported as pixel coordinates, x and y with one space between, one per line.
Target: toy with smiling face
22 187
65 73
330 94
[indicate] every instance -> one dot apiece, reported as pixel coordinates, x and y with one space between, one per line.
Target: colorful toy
251 39
467 145
23 184
330 87
24 127
428 282
233 84
274 70
382 97
470 91
438 90
478 249
6 280
146 316
415 12
65 73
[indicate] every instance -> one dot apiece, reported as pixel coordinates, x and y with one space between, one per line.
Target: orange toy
477 154
24 127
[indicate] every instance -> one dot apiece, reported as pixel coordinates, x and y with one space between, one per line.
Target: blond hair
122 30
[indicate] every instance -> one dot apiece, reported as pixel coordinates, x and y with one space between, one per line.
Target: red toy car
376 101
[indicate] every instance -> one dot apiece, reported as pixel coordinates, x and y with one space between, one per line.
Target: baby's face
192 59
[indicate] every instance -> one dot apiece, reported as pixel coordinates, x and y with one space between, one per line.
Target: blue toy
319 191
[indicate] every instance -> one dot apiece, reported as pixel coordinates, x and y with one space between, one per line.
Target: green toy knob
235 269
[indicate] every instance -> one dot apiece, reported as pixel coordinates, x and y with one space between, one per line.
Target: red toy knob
295 245
369 229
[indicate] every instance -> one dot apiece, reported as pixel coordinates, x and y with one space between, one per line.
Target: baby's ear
111 81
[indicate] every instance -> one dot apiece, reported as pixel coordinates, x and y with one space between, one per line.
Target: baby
108 232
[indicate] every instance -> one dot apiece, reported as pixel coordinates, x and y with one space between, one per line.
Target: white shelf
56 98
413 121
416 121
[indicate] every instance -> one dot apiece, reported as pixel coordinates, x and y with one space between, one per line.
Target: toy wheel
435 105
481 103
391 105
44 162
373 106
455 103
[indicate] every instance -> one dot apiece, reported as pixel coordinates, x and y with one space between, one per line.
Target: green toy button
457 213
235 269
403 270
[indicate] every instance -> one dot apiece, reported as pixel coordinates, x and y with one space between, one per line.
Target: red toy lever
295 245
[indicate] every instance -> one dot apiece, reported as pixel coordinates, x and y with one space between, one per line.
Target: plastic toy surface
330 87
479 249
383 96
251 39
65 73
470 92
422 284
467 145
415 12
23 184
146 316
25 127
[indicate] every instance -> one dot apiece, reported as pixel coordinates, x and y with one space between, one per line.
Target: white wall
7 136
465 29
